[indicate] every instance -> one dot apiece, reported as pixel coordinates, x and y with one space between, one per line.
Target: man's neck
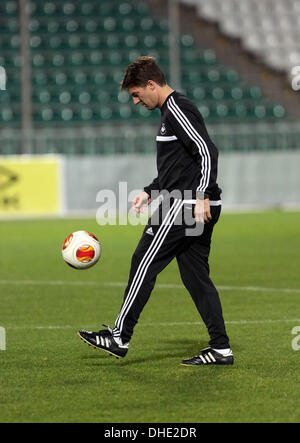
164 93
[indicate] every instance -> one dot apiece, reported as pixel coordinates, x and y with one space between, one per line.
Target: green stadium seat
115 58
9 42
146 24
128 25
102 97
222 110
125 111
141 9
52 26
231 76
67 114
209 57
254 92
191 77
187 41
84 98
59 59
278 111
105 112
69 8
198 93
90 26
80 78
150 41
43 97
38 60
239 110
189 56
205 111
71 26
9 26
65 97
6 97
49 8
34 25
113 41
218 93
260 111
106 8
213 75
236 93
39 78
124 97
86 114
110 24
7 114
132 55
87 8
117 76
125 8
10 8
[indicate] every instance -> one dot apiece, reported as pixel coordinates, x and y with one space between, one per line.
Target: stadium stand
79 50
269 29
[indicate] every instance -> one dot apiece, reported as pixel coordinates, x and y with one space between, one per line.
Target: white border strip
163 324
120 284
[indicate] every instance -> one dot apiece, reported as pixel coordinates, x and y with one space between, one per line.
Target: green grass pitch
49 375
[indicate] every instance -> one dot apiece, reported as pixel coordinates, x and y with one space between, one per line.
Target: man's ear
151 84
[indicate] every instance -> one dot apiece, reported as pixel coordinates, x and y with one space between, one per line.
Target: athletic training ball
81 250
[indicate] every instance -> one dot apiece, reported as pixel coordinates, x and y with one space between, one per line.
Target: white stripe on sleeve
197 139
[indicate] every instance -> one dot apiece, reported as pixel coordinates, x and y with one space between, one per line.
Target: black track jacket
187 159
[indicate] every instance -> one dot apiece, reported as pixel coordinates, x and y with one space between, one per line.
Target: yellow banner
29 185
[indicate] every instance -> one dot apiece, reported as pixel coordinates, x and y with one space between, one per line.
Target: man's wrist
201 195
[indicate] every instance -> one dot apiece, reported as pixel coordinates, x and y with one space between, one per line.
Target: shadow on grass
168 349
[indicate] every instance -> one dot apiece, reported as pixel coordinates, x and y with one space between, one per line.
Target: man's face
147 95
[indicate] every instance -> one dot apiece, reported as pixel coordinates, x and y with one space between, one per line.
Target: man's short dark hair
141 71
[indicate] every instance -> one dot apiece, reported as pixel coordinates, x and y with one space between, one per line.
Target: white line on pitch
168 324
158 286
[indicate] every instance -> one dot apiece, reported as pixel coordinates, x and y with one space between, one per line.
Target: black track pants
164 238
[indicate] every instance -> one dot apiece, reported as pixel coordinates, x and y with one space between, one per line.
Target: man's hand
202 211
141 201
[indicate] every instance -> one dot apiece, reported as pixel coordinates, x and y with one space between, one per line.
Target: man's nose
136 100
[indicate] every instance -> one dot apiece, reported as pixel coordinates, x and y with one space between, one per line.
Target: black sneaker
209 357
104 340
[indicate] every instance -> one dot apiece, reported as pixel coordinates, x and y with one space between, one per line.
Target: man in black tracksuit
182 226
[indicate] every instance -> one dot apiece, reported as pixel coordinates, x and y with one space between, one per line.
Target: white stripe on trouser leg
147 260
165 233
141 265
144 262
